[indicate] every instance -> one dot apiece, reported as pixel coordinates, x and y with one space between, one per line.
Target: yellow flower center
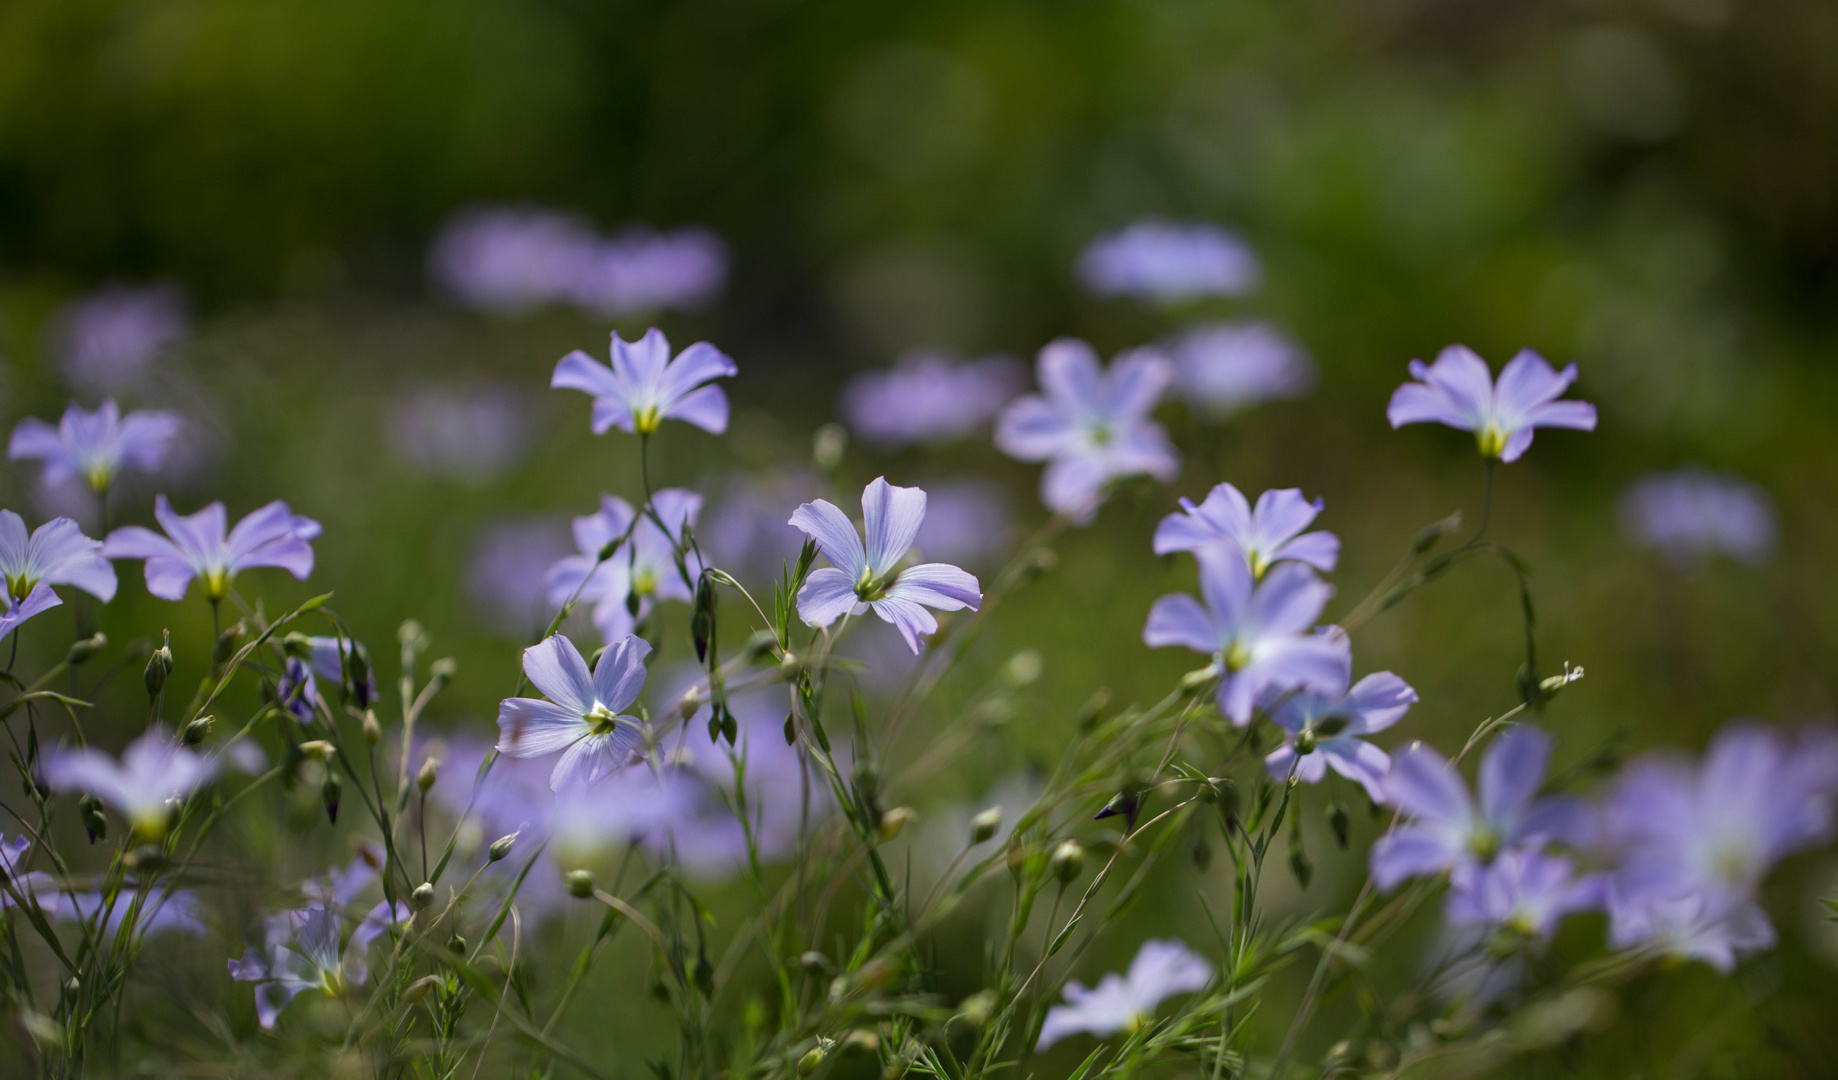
217 583
645 420
1492 440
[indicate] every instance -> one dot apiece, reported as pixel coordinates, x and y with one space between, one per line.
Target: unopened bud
867 779
430 771
984 825
1199 678
1550 687
318 748
147 857
501 847
86 648
1068 861
419 989
1300 866
580 883
159 665
1427 538
422 896
760 644
609 549
1337 820
812 1058
411 635
827 446
441 671
894 820
225 645
373 731
691 701
329 792
198 730
73 987
296 644
89 810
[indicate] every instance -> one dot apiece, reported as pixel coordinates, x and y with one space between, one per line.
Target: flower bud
328 794
1305 742
318 748
690 702
198 730
297 645
501 847
814 1057
440 672
1426 539
894 820
867 779
1068 861
422 896
1337 820
1199 678
984 825
148 857
73 987
760 644
1549 688
225 645
373 731
430 771
580 883
1300 866
89 809
159 665
419 989
86 648
411 635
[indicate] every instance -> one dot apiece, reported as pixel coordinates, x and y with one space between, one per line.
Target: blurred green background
1647 187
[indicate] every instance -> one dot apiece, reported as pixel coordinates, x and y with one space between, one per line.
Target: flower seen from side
584 719
1521 891
1169 262
867 576
641 573
1257 632
1226 367
1688 927
1267 534
55 553
1323 727
1459 391
153 770
1123 1003
202 546
645 386
94 447
1090 425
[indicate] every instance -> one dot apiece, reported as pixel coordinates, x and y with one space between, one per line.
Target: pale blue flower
505 568
153 769
307 950
202 546
1169 262
510 260
1458 390
1264 536
55 553
1121 1003
95 447
870 576
1225 367
1691 514
1688 927
1523 891
584 719
645 386
929 398
641 270
644 568
1257 632
1323 727
41 599
1090 425
107 339
965 521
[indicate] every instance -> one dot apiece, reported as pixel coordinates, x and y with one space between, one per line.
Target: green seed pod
501 847
440 672
1337 820
198 730
1068 861
809 1062
422 896
373 731
580 883
81 651
159 665
984 825
430 771
225 645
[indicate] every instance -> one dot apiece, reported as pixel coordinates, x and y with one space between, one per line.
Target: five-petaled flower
1090 425
645 386
55 553
1256 631
642 572
1322 727
95 446
1265 535
870 576
1459 390
153 770
201 545
584 719
307 950
1126 1002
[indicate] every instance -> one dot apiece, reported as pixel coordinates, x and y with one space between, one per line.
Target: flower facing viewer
1265 535
646 386
95 447
584 719
202 546
152 770
1090 425
1459 390
1122 1003
1322 727
869 576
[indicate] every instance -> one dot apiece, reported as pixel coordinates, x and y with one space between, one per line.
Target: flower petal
937 585
706 408
1179 619
1031 428
1511 770
620 673
1422 784
835 534
891 517
828 594
555 667
1070 373
528 727
913 621
1282 513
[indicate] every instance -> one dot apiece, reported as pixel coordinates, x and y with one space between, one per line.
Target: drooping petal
620 673
828 594
579 371
84 771
1179 619
913 621
835 534
609 413
1360 762
38 601
528 727
138 542
891 517
555 667
1418 403
937 585
168 576
1309 768
593 757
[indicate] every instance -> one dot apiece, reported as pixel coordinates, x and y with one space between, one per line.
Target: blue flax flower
1265 535
1458 390
584 719
1449 830
645 386
1256 631
645 568
1122 1003
153 770
1522 891
1090 426
1691 514
202 546
95 446
1169 262
870 576
1226 367
308 950
1689 927
929 398
1322 727
55 553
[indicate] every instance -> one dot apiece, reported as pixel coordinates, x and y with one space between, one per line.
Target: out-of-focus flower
106 340
504 574
1690 927
1458 390
1256 632
298 689
645 568
1691 514
162 913
929 398
1169 262
1322 727
646 386
153 769
965 520
583 720
1122 1003
55 553
1450 830
1714 831
201 545
593 816
473 435
1090 425
642 270
94 446
510 260
1522 891
307 950
1225 367
1264 536
745 528
870 576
